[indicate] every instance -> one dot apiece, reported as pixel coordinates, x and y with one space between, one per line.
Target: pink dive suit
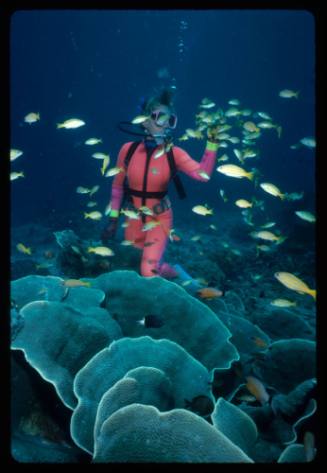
153 242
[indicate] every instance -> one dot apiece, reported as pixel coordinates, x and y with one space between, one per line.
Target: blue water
97 65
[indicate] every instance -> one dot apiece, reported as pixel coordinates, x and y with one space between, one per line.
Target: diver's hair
160 97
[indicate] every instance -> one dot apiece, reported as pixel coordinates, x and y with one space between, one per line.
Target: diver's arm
117 189
189 166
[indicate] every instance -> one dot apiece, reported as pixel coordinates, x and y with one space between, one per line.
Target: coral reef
169 392
188 376
66 339
138 433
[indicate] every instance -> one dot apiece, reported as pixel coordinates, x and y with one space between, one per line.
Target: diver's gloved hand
110 230
212 133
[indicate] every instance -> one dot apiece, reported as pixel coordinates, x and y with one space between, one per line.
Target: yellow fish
234 139
150 225
15 153
32 117
100 250
127 242
93 215
71 123
100 156
234 102
243 203
113 171
272 189
251 127
282 303
204 174
223 195
232 112
94 190
16 175
82 190
145 210
293 282
105 164
24 249
194 133
202 210
308 141
265 235
308 216
268 225
159 152
207 103
93 141
264 248
288 94
130 214
249 153
140 119
232 170
267 124
75 283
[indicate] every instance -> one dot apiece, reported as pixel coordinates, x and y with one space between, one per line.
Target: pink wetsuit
153 242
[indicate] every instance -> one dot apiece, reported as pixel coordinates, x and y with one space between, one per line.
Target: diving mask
162 118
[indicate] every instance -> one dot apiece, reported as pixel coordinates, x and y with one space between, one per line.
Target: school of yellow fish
210 123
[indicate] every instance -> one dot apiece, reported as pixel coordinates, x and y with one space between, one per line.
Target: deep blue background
97 64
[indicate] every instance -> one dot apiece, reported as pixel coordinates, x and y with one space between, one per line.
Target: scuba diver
146 169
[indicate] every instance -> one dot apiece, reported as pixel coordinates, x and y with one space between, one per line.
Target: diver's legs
155 245
133 232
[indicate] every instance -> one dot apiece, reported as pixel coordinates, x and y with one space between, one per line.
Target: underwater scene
163 255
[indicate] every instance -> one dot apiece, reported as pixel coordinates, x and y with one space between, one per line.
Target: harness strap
144 194
173 171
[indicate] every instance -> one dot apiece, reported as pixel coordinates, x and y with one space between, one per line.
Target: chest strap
159 195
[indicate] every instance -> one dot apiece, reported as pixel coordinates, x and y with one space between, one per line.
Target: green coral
235 424
186 320
139 433
187 375
58 340
141 385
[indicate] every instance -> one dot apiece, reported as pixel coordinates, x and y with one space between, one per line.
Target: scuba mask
161 118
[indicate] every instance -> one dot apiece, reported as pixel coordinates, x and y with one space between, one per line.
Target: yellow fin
313 293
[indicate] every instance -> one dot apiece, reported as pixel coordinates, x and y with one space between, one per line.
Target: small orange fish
175 237
259 342
75 283
209 293
255 386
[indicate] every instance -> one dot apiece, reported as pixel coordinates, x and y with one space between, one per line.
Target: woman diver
148 168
